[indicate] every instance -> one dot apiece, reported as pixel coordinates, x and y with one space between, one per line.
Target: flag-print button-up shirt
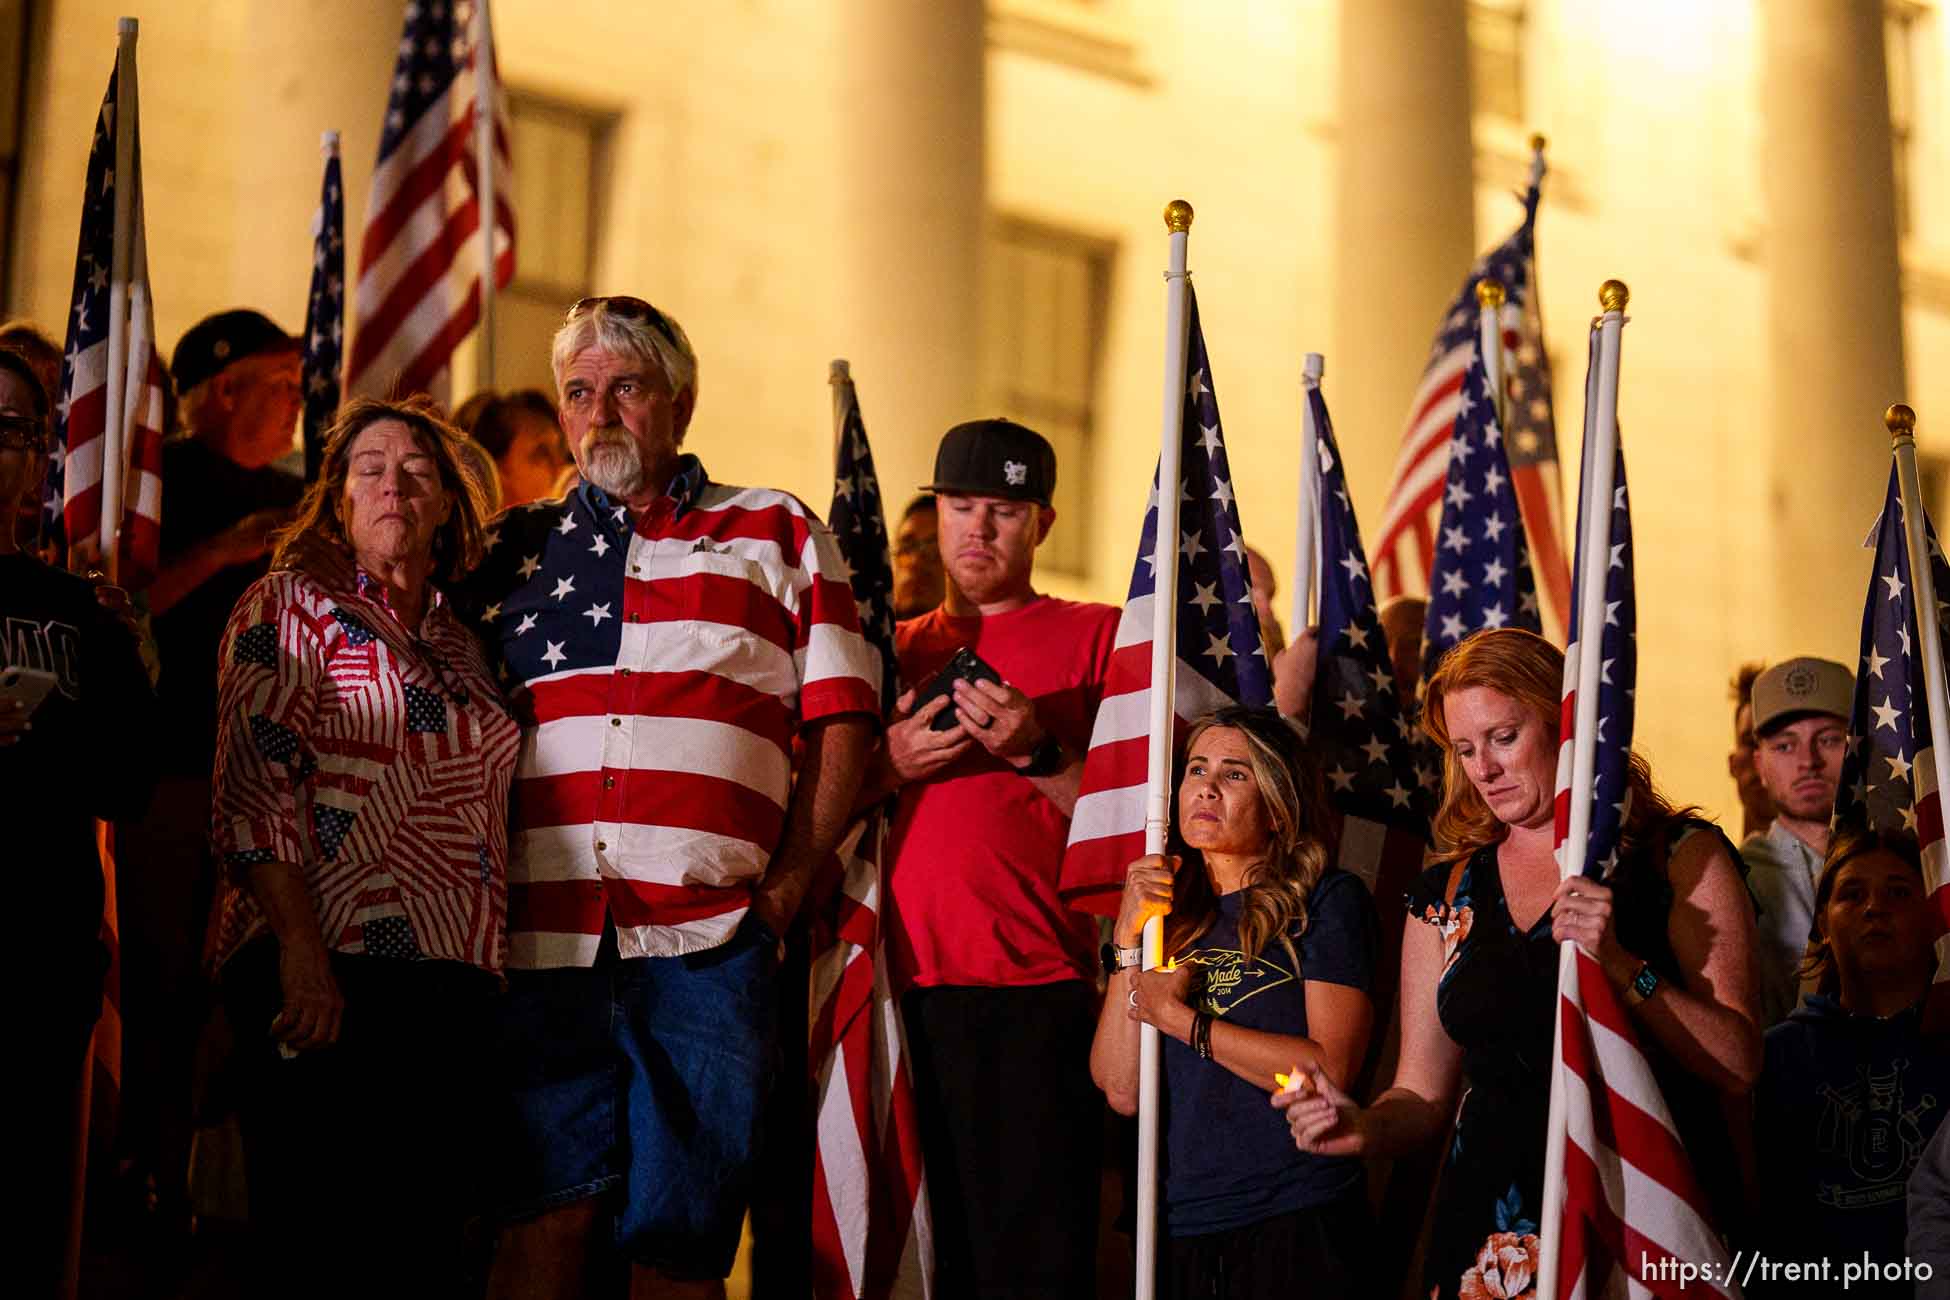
375 759
660 667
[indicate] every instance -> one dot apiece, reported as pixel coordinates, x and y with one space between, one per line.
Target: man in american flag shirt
669 643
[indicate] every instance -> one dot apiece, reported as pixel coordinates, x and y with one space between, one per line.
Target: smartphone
28 685
966 666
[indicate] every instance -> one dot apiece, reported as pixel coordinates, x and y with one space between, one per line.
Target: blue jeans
643 1080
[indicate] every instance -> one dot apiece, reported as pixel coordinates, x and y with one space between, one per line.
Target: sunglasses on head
629 308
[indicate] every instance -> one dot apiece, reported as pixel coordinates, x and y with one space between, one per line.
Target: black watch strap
1046 759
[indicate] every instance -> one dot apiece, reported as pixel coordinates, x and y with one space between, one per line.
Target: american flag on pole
1364 745
325 311
1632 1208
871 1238
1889 776
1481 577
1405 547
419 291
1221 659
111 379
1382 776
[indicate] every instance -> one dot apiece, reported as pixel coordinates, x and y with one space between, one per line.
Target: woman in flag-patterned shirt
361 807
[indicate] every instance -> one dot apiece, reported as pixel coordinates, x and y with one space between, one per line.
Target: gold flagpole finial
1178 216
1613 295
1538 143
1901 421
1490 292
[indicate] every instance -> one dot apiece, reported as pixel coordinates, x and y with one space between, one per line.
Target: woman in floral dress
1673 928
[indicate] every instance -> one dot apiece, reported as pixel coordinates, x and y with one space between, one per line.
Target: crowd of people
467 798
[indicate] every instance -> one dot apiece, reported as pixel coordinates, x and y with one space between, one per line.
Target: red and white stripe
1633 1212
1405 546
872 1239
701 758
140 542
420 259
1107 828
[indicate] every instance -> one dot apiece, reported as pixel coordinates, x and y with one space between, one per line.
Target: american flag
82 414
1404 549
871 1238
1632 1208
1889 780
419 291
1357 730
1382 776
325 311
1482 573
1221 659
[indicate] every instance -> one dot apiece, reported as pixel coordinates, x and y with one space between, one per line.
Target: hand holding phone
966 666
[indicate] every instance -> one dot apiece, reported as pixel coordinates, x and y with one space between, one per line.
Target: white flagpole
1901 421
1164 665
486 85
1490 297
1306 536
115 442
1594 549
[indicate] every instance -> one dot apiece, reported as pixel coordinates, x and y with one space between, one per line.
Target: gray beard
613 464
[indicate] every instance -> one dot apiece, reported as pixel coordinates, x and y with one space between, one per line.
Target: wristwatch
1643 985
1117 959
1046 759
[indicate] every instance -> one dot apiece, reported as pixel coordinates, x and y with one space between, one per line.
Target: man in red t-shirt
999 976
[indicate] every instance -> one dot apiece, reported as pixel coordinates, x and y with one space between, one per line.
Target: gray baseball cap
1795 688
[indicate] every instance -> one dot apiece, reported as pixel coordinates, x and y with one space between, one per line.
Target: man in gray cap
1801 712
998 974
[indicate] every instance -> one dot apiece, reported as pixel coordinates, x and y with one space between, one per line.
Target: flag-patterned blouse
375 758
661 666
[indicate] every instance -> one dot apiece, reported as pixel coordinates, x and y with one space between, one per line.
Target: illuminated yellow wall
727 205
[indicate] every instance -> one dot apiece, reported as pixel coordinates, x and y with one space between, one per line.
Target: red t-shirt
975 849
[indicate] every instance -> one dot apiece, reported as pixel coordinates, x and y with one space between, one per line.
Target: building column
913 219
1834 322
1406 209
303 70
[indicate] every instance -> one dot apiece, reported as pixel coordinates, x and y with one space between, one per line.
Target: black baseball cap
995 458
213 343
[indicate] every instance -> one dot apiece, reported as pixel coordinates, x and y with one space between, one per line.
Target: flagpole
1306 537
1490 297
1164 662
839 376
1901 421
115 424
485 75
1594 550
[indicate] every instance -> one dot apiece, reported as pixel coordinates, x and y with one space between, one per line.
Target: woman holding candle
1671 924
1272 954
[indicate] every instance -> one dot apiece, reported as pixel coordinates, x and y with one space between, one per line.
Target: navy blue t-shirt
1229 1159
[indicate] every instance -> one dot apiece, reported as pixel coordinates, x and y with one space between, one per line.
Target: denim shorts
643 1080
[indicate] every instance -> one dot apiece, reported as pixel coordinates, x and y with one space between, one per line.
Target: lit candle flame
1287 1080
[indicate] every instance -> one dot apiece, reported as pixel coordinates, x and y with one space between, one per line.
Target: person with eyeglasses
1800 723
359 818
697 702
77 743
919 579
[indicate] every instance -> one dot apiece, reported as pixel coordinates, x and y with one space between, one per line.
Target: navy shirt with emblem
1229 1159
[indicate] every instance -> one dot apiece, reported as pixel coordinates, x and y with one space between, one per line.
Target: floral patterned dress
1495 999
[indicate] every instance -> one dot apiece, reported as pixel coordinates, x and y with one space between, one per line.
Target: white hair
600 327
